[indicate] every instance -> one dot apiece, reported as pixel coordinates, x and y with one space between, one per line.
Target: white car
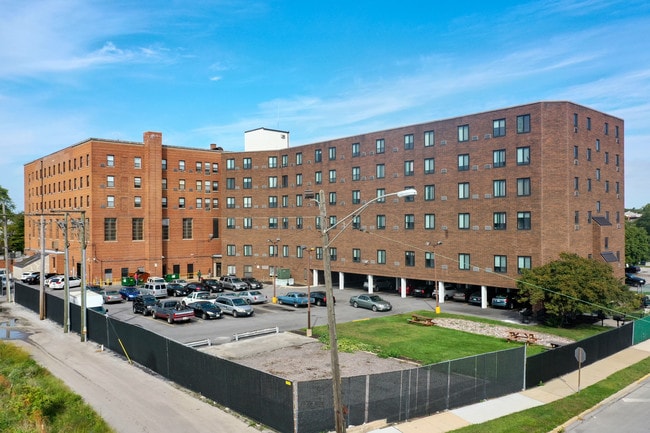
49 280
59 282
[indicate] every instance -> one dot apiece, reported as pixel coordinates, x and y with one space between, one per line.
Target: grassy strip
393 336
545 418
33 400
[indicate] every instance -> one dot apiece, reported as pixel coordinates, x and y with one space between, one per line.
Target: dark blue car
129 293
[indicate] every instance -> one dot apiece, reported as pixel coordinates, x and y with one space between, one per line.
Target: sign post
581 356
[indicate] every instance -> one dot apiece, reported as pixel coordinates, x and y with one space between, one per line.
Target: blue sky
205 71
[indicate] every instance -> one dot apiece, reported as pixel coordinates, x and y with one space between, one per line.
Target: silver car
234 305
371 302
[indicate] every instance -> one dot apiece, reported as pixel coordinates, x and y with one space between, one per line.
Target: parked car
33 278
129 293
423 291
233 283
29 274
319 298
475 298
254 296
143 304
212 285
297 299
253 284
172 311
381 284
234 305
632 269
502 301
49 277
194 287
633 280
460 296
206 310
59 282
111 296
176 289
371 302
94 288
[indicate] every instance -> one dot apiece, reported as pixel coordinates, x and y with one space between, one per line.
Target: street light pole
309 250
339 415
435 277
274 252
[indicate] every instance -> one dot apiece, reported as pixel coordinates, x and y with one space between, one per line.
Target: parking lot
288 318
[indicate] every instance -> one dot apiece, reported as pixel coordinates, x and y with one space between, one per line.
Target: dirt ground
299 358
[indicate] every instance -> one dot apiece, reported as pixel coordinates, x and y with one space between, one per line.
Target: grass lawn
33 400
393 336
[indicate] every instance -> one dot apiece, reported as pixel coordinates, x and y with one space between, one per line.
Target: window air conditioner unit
487 166
395 149
488 136
443 142
474 137
443 171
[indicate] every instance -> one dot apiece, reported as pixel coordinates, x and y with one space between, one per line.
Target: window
429 165
588 185
356 255
606 157
576 152
380 146
429 138
248 250
215 185
356 173
463 190
137 229
523 262
230 202
333 254
299 222
110 229
381 192
231 250
331 153
137 201
606 186
230 223
606 128
381 222
318 177
411 197
110 181
356 222
206 201
247 202
299 179
523 124
429 192
380 171
165 229
356 196
617 158
409 221
408 142
247 183
199 186
199 166
299 158
523 155
164 164
273 162
381 257
181 184
285 160
299 200
576 183
409 258
273 182
429 221
273 222
110 201
408 168
499 188
588 123
332 176
598 206
499 128
598 174
285 223
588 154
356 149
429 260
206 186
463 221
247 163
215 167
463 162
501 264
332 198
575 120
523 186
523 221
273 201
576 217
199 203
318 155
597 145
110 160
285 201
181 165
499 158
463 262
164 202
230 164
463 133
499 220
181 202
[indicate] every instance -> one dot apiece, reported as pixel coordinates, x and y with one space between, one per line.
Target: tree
644 221
575 285
15 223
637 244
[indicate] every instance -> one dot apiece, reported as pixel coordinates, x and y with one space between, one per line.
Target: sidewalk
551 391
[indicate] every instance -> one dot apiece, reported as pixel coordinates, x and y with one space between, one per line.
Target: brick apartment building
497 192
